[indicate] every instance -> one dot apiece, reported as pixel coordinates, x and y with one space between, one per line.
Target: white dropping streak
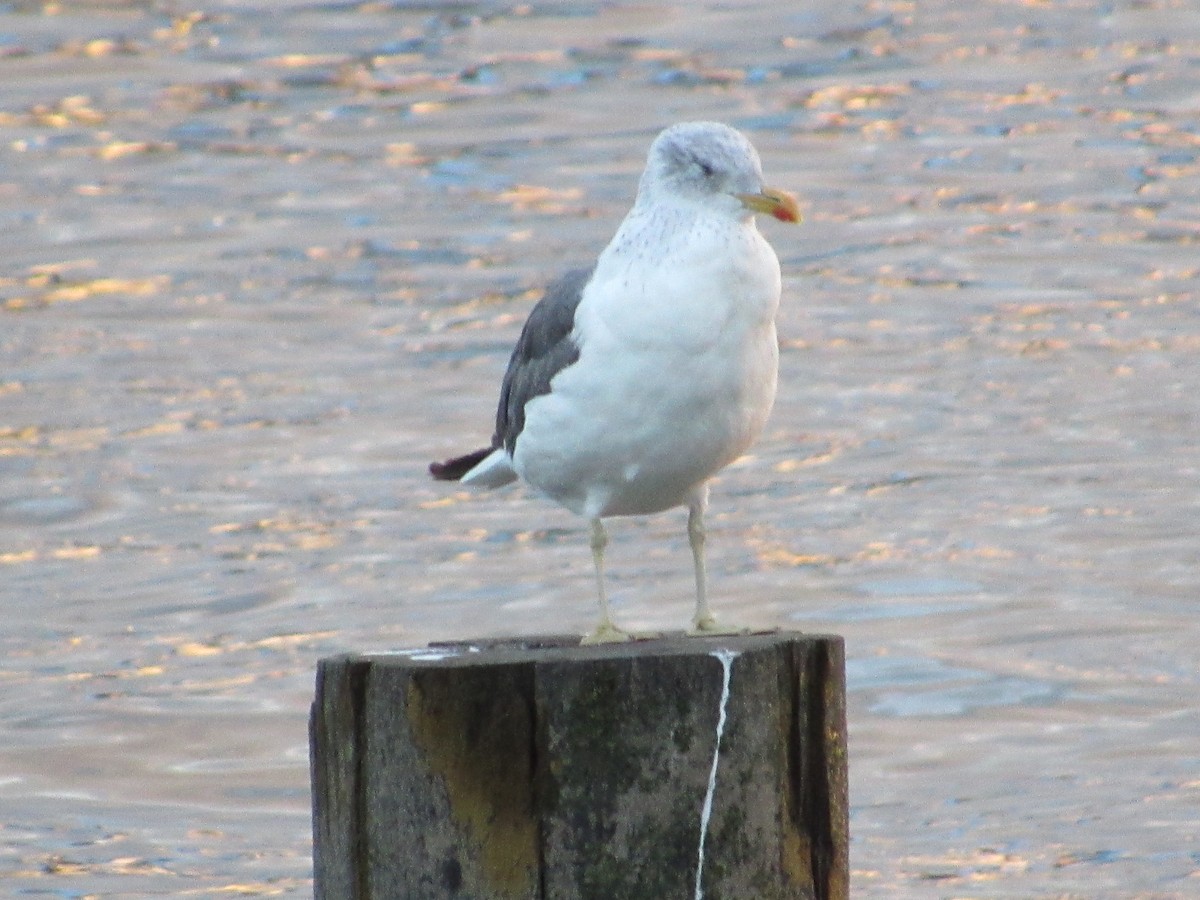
726 657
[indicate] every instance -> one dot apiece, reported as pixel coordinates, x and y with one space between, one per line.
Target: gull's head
715 166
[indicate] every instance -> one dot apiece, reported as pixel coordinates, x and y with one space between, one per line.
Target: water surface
261 264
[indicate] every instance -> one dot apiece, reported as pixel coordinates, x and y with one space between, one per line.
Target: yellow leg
606 631
704 622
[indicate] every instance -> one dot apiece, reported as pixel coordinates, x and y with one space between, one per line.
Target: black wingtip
455 469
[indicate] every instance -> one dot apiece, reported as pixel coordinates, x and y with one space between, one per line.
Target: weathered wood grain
539 770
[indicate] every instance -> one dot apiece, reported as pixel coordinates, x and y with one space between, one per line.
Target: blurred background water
262 262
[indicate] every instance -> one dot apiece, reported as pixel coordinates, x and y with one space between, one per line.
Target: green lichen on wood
628 733
477 739
653 858
585 778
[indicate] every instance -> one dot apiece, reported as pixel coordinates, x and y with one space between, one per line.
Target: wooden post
534 769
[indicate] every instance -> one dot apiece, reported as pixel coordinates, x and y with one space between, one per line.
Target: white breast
676 374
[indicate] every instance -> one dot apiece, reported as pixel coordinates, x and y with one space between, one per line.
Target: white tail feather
494 471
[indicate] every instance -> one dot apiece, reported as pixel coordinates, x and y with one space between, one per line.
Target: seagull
636 380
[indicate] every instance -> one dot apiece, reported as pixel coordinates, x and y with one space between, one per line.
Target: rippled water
262 262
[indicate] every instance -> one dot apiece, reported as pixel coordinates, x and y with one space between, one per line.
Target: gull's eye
706 168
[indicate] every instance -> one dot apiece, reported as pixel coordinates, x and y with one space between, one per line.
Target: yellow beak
780 204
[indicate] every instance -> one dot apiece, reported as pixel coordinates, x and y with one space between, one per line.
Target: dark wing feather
543 350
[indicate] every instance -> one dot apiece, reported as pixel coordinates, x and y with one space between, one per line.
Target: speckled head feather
700 161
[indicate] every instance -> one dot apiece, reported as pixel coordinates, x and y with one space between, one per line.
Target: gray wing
543 350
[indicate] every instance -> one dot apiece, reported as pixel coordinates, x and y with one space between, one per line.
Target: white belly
671 385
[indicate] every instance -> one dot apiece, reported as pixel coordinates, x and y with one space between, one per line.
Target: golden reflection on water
258 272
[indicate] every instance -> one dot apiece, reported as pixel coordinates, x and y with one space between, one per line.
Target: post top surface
566 648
